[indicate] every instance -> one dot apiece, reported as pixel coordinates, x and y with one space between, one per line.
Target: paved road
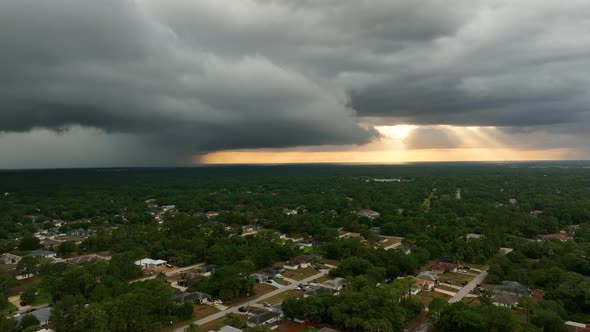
261 298
469 287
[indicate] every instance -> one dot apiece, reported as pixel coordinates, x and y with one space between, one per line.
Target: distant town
333 248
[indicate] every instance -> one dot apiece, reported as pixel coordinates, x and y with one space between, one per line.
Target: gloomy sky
157 82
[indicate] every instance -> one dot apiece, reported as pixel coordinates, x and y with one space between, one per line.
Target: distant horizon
411 163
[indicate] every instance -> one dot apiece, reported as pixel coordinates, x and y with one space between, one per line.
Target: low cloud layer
190 77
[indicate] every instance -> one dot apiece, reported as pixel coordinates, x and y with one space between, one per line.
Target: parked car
242 309
169 266
266 304
464 283
269 281
280 276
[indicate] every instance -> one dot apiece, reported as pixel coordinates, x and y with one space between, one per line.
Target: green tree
29 242
28 321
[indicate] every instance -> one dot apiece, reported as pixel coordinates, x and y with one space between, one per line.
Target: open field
427 296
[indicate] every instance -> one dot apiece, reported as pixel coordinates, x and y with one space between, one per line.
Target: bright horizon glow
473 144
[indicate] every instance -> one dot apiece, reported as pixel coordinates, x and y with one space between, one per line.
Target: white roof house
148 262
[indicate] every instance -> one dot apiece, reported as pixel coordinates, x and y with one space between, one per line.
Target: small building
196 297
368 213
43 254
263 316
42 315
147 263
8 258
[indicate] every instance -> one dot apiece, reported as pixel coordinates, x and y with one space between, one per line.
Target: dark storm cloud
204 75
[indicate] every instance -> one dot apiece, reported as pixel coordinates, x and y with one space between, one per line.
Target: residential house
259 277
228 328
42 315
290 212
186 278
368 213
473 236
513 287
336 283
263 316
415 289
506 299
84 259
427 280
147 263
43 254
559 236
208 270
297 262
196 297
21 274
443 267
49 243
319 290
8 258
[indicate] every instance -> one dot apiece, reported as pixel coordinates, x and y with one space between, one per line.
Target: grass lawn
203 310
281 281
259 289
299 274
286 326
283 296
330 261
41 298
9 308
427 296
455 278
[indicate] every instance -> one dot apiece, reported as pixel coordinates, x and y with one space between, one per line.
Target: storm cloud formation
193 76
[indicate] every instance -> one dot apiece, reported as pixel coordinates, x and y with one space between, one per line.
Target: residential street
234 309
469 287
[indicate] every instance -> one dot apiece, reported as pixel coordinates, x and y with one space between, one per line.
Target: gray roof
228 328
318 290
334 283
428 275
194 296
40 253
261 316
506 298
512 287
41 314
